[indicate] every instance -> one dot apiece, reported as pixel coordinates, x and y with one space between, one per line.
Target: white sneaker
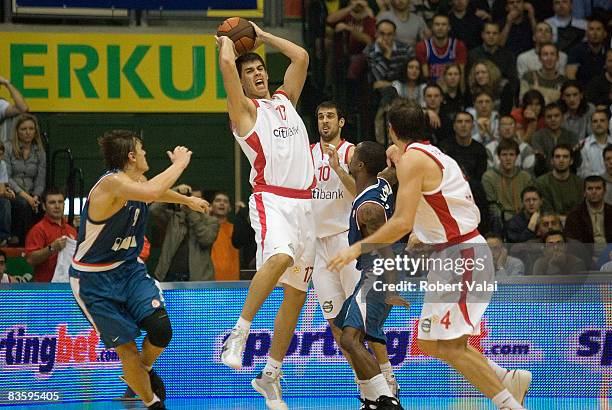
517 382
231 353
393 384
270 388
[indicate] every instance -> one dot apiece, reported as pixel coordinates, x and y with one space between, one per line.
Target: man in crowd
225 257
607 176
587 59
518 26
530 60
492 51
523 226
594 145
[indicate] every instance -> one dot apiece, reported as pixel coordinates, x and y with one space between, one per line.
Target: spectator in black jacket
523 226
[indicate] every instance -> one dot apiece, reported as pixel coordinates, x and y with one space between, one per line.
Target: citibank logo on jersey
401 345
21 350
285 132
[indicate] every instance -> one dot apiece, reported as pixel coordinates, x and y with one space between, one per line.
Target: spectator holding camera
186 247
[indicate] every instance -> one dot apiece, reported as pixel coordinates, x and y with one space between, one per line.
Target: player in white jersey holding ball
273 137
435 202
332 203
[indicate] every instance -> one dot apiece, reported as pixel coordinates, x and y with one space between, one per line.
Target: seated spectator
428 9
544 140
523 226
465 24
530 115
530 250
410 26
505 265
518 26
556 260
503 185
567 31
10 110
587 59
26 163
225 257
48 236
412 86
490 10
592 152
454 98
599 88
490 50
5 277
561 189
6 196
433 105
486 77
243 239
440 50
530 60
357 21
546 80
486 123
576 110
591 221
186 247
507 131
607 176
583 9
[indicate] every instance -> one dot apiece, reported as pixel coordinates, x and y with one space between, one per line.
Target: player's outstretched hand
198 204
180 156
397 300
344 257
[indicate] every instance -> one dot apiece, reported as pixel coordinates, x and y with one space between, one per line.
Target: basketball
240 31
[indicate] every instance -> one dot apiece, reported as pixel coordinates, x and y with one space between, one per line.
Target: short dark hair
407 119
433 85
483 92
595 178
530 189
533 95
331 104
490 23
553 233
52 191
116 145
566 147
550 44
458 113
440 15
247 58
373 156
553 106
388 22
607 149
604 112
506 145
221 192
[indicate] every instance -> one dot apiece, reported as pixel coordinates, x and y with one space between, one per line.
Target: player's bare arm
370 217
241 110
334 162
194 203
295 76
411 170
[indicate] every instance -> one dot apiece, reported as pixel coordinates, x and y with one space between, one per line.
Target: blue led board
145 4
46 346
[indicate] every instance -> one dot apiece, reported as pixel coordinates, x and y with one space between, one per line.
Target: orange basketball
240 31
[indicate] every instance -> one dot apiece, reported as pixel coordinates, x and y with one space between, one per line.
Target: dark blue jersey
104 245
381 194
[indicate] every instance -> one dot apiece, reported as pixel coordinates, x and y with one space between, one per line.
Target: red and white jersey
331 203
448 213
278 149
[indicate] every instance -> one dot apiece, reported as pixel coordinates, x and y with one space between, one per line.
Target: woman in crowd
576 110
26 164
412 88
485 76
529 116
452 90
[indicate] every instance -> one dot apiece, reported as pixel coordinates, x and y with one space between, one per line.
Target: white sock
152 402
243 324
505 400
387 369
379 385
500 372
361 384
367 390
272 368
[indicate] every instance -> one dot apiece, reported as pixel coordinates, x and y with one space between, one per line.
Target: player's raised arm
241 110
295 76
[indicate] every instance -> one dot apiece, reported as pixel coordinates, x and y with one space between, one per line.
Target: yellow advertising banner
100 72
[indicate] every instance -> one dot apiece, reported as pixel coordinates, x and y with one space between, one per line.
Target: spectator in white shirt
530 60
594 145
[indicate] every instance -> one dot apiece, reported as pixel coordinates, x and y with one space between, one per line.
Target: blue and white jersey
104 245
381 194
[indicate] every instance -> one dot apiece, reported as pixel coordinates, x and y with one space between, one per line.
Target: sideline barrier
557 327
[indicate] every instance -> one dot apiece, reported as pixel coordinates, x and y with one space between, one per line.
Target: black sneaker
158 405
388 403
367 404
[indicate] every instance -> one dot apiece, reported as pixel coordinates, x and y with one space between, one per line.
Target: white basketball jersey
448 212
331 201
277 147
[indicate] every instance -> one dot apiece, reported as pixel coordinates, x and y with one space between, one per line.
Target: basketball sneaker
367 404
270 388
231 353
517 382
388 403
158 405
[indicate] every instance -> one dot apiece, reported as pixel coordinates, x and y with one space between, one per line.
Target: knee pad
159 330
